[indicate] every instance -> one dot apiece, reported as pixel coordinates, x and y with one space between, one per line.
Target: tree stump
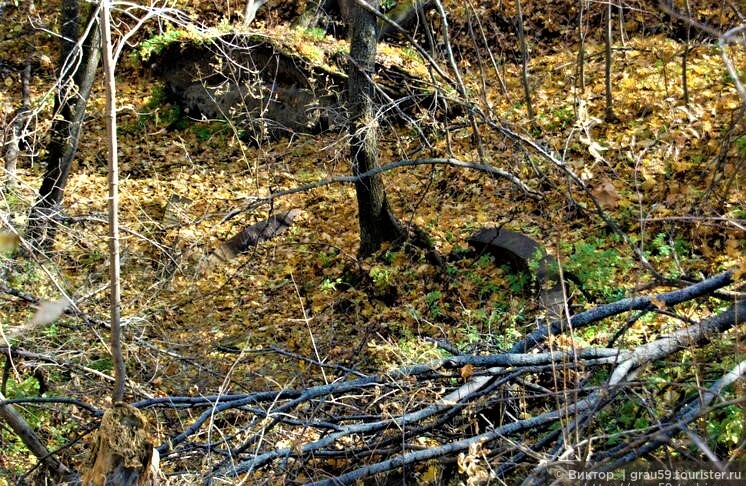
123 453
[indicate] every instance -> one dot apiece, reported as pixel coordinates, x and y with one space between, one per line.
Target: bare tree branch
494 171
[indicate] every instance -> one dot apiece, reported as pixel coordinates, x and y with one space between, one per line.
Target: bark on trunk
76 80
610 116
377 222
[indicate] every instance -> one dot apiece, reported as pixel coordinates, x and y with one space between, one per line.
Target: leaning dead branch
10 415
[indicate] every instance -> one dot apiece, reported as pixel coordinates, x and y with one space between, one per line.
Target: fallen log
252 235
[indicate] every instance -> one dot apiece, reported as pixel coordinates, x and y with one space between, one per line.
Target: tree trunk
250 10
16 130
524 60
685 55
610 116
115 299
377 222
76 74
580 76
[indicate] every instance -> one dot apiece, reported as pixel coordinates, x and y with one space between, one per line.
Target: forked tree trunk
76 74
377 222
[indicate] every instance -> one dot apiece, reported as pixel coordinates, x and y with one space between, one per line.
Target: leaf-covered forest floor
670 174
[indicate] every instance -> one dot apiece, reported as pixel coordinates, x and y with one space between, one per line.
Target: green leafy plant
52 330
741 145
387 4
563 117
329 286
471 335
729 429
328 258
598 267
160 112
102 364
27 387
659 243
93 257
207 130
381 276
158 43
13 202
665 250
315 33
517 281
433 300
25 272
